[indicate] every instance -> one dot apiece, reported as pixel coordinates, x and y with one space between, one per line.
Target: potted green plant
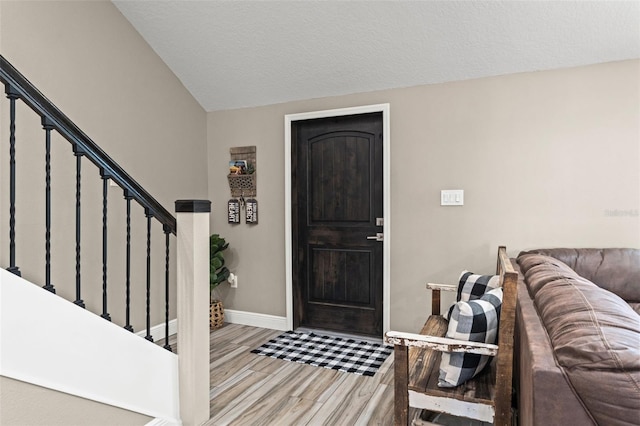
218 274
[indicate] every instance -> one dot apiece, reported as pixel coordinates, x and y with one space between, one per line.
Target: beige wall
90 62
26 404
544 159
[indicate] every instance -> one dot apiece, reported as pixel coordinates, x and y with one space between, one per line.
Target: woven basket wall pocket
243 185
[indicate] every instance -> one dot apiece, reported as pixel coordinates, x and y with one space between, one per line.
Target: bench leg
401 385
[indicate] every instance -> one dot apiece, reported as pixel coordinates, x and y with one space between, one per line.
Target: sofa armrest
435 295
443 287
442 344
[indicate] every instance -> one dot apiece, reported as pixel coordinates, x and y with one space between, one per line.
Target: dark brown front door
337 203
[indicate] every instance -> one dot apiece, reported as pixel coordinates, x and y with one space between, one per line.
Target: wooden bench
487 397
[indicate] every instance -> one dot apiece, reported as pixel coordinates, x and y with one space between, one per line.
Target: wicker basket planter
216 314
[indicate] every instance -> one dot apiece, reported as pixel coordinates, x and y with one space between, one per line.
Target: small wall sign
233 210
251 211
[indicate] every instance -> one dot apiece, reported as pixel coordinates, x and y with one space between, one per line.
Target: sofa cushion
614 269
595 337
545 396
540 270
476 321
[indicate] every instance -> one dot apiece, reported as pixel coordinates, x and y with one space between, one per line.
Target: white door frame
386 201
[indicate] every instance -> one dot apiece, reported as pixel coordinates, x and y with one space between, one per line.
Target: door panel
339 165
337 196
340 276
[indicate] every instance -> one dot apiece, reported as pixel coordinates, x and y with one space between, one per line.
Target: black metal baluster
167 232
105 193
149 216
128 197
47 125
78 152
12 94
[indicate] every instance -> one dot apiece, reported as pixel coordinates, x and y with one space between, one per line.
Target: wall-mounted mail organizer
242 172
243 183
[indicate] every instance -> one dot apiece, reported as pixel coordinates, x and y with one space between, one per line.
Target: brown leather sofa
578 337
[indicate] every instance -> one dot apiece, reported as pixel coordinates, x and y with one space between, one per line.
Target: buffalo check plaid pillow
472 286
476 321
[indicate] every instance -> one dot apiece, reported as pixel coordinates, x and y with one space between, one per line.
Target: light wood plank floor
249 389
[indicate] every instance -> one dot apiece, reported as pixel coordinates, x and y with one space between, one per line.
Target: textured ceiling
232 54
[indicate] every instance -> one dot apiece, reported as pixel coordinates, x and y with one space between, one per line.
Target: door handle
378 237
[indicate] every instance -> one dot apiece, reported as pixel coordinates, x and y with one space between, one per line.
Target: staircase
69 325
49 342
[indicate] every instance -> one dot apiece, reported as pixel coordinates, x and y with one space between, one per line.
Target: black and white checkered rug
346 355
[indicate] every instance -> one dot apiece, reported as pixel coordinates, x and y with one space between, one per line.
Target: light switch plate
452 197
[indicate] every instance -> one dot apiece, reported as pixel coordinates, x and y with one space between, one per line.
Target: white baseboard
255 320
157 331
231 316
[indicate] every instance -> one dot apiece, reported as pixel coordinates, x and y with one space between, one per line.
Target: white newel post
193 309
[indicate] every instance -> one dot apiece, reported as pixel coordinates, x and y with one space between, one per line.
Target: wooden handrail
82 143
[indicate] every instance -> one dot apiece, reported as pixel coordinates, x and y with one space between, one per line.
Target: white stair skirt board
50 342
157 331
255 320
484 413
163 422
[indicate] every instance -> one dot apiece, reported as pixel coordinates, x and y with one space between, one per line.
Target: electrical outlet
233 280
